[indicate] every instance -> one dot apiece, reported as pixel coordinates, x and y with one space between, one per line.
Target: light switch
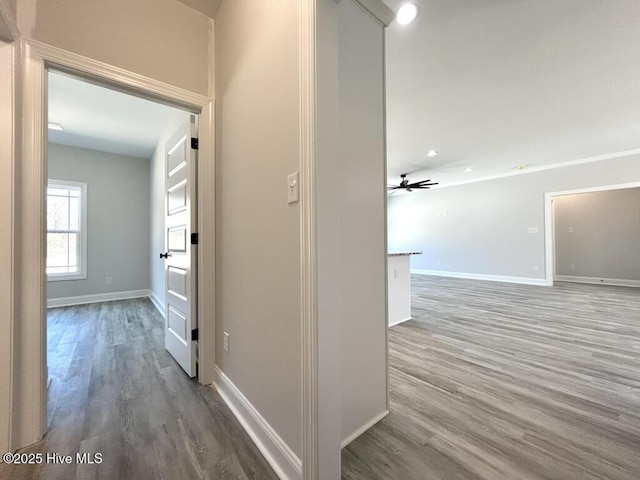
570 229
532 230
293 188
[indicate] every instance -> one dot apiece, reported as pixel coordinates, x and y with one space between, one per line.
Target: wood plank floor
116 391
502 381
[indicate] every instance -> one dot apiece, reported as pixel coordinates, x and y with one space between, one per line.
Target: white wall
362 252
327 191
160 39
118 219
597 235
157 208
6 231
482 228
258 251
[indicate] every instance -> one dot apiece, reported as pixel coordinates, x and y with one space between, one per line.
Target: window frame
81 274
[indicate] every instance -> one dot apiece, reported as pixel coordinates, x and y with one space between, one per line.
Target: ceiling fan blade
423 184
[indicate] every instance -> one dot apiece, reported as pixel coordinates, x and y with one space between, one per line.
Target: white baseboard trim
282 459
157 303
598 281
398 322
99 297
482 276
363 428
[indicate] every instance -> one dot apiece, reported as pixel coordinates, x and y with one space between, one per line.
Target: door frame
550 224
30 353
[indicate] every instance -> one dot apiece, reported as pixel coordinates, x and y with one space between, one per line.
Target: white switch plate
536 268
395 273
108 280
532 230
570 229
293 188
226 342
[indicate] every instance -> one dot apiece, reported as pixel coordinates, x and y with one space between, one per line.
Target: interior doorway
31 381
121 204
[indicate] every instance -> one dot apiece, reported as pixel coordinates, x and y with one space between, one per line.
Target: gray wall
118 217
482 228
598 234
362 219
257 232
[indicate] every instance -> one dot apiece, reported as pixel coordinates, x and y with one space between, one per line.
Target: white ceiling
98 118
493 84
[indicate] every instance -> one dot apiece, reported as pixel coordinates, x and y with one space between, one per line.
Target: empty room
320 239
517 125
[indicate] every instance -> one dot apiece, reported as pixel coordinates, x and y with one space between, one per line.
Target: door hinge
194 239
194 334
194 143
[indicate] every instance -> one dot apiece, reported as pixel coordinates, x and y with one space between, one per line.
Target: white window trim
82 274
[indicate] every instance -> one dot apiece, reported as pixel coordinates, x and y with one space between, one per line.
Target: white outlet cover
293 188
570 229
532 230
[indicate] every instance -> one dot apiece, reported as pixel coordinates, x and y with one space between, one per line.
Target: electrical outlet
226 342
108 280
572 266
395 273
536 268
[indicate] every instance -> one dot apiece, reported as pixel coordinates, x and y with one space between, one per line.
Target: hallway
116 391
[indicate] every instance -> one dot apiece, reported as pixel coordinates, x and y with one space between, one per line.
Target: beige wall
208 7
160 39
6 225
258 253
7 19
597 235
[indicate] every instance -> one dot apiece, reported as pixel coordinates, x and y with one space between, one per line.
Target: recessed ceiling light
406 14
432 153
468 169
55 126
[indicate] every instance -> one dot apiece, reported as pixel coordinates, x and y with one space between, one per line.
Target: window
66 230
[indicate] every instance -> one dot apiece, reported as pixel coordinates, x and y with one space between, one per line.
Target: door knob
165 255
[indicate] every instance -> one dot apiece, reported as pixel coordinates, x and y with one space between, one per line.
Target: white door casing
29 379
180 253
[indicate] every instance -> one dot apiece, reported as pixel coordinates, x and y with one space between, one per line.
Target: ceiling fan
404 184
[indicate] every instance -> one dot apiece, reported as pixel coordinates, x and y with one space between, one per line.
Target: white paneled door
181 247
